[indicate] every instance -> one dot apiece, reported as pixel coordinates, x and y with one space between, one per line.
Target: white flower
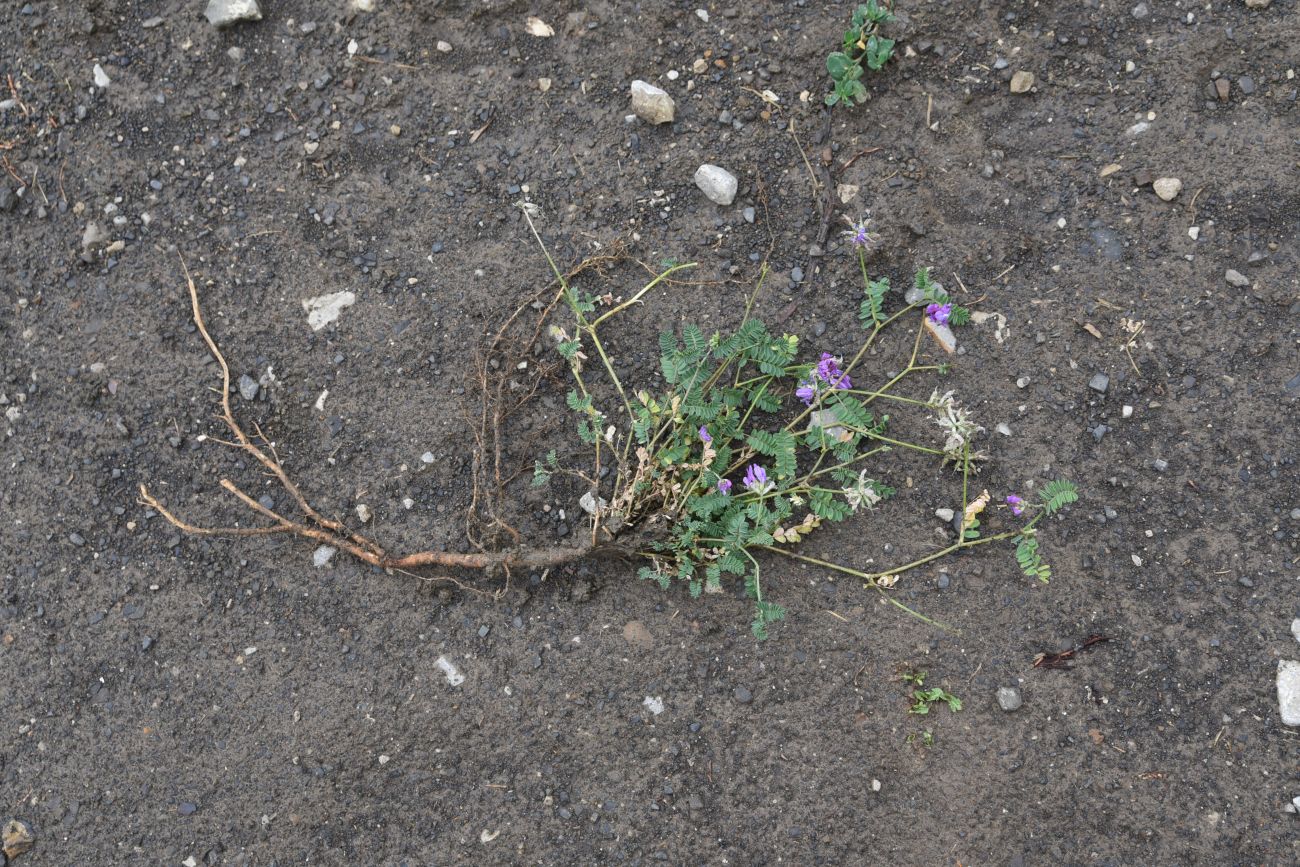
862 493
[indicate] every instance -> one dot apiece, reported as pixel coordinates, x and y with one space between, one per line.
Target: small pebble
1127 411
743 695
944 515
1236 278
1022 81
322 555
944 581
248 387
1009 698
1167 188
1160 465
1099 383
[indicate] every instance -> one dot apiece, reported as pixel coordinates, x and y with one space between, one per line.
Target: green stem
637 297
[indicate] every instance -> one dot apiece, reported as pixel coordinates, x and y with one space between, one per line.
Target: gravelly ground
139 726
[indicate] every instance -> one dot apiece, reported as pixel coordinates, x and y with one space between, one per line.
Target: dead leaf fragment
1092 329
1110 169
537 27
974 508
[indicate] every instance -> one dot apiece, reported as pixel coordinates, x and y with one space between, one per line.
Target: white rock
942 335
1138 128
847 192
1257 4
1167 188
1004 429
101 77
443 46
363 513
324 309
654 704
1288 691
362 5
1295 628
1127 411
223 13
1236 278
539 28
945 515
322 555
652 104
454 677
703 15
591 505
1194 232
718 184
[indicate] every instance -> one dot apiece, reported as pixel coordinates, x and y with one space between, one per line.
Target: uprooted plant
746 448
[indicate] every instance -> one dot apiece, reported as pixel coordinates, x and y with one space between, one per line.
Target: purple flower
939 313
860 236
828 370
1017 504
724 485
704 435
756 479
806 392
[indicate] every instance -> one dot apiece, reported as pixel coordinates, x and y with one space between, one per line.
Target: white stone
654 704
718 184
322 555
1167 188
324 309
223 13
454 677
443 46
1236 278
363 5
101 77
1288 691
942 335
1194 232
945 515
1004 429
703 15
652 104
363 513
1138 128
1295 628
592 505
1127 411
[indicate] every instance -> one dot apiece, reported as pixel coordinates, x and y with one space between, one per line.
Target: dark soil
140 728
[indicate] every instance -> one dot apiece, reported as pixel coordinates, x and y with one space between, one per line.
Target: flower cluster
956 422
826 376
756 480
862 493
1017 504
939 314
860 236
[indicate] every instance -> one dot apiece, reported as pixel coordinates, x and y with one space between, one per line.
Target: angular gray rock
718 184
651 104
223 13
1236 278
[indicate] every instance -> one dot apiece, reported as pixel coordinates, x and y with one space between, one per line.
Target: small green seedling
923 698
863 44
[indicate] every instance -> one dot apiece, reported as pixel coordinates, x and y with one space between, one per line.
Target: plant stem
637 297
